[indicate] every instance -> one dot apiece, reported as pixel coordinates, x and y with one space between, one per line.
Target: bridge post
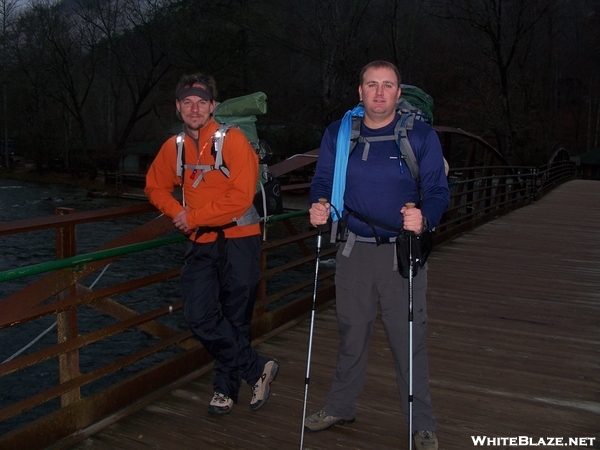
68 363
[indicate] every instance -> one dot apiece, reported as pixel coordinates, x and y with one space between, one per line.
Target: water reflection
26 200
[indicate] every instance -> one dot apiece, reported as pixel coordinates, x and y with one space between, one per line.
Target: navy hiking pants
219 291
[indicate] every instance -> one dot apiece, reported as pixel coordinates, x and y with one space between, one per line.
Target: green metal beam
80 260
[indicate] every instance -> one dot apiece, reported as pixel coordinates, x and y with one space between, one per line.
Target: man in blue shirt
378 184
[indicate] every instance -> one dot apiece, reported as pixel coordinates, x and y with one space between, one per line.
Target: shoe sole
259 405
339 422
218 411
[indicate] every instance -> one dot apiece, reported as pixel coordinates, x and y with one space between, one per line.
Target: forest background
83 81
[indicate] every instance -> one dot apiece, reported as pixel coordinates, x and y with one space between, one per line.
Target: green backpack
417 101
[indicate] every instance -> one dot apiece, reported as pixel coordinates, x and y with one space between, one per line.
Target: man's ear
178 112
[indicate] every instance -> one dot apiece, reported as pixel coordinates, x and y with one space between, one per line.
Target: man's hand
319 213
413 219
180 221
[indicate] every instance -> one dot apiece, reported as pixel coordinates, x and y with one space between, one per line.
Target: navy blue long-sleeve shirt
379 187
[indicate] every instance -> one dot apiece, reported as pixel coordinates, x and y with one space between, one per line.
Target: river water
26 200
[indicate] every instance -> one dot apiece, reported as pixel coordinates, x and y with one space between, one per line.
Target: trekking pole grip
323 227
410 205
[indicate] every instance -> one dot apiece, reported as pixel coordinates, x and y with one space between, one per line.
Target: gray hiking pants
362 279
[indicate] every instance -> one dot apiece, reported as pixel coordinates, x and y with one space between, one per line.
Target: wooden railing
160 353
59 293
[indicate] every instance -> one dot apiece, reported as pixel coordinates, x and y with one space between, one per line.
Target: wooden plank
514 345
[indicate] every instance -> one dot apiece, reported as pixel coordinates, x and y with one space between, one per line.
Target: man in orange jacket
219 279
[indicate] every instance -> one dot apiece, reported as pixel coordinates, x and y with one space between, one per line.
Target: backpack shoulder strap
356 138
180 154
355 132
403 126
218 139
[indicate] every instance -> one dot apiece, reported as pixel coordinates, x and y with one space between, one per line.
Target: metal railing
479 194
161 353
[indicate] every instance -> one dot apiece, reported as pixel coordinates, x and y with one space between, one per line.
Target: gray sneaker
321 421
220 404
262 388
425 440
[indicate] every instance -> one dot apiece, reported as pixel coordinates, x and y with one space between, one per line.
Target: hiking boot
321 421
425 440
260 391
220 404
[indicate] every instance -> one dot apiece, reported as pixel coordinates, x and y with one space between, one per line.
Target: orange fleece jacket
217 200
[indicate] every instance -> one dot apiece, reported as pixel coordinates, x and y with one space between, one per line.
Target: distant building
588 164
137 158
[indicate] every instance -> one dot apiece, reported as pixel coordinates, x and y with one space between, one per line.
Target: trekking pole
410 335
320 228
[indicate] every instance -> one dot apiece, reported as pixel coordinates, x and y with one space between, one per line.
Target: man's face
379 92
195 111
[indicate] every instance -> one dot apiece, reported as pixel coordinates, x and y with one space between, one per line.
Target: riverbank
96 187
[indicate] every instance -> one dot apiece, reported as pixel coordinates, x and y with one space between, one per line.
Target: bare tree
502 33
99 74
337 31
104 21
8 10
143 60
60 66
404 27
129 38
31 50
577 68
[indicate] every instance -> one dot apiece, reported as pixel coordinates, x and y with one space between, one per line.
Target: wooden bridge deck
514 344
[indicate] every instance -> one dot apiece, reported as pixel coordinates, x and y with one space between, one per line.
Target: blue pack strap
342 152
